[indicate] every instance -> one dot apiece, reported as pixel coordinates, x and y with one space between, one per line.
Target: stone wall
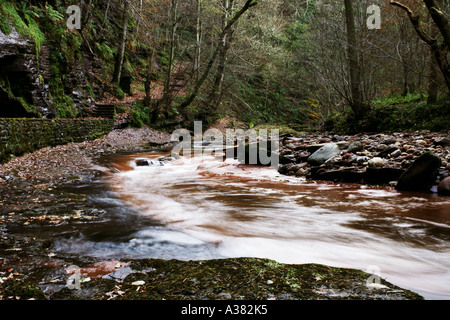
21 135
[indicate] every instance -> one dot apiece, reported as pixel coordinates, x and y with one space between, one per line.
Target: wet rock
361 159
323 154
339 175
355 146
166 159
25 72
284 168
444 187
142 162
396 153
389 141
300 172
382 176
441 141
388 151
288 158
338 138
302 157
376 162
314 147
421 175
146 163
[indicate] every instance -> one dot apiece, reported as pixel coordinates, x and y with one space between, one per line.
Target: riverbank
416 161
36 196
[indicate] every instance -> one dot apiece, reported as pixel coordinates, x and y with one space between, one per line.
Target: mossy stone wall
21 135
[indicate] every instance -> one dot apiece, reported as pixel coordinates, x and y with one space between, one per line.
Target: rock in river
324 153
146 163
444 187
141 162
421 175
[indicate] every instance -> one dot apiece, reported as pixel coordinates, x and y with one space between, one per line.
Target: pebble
397 151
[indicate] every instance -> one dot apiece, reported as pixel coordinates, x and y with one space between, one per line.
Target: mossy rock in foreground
236 279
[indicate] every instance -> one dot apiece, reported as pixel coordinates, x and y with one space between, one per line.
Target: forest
366 65
101 198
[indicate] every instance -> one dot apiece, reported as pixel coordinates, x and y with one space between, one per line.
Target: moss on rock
236 279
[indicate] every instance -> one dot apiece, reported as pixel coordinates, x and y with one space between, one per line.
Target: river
204 208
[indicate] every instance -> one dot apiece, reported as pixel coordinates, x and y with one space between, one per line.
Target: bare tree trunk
356 102
198 85
139 18
167 94
226 43
198 42
440 51
105 16
433 73
148 81
121 51
88 13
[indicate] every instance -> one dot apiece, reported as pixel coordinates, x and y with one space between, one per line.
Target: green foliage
27 26
270 103
5 86
294 35
140 115
118 92
67 110
104 50
398 113
5 27
54 15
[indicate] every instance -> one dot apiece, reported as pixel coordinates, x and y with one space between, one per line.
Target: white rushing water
223 209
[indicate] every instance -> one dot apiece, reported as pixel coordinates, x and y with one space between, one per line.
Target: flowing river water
204 208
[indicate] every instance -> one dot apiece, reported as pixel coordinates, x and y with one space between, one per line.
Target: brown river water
204 207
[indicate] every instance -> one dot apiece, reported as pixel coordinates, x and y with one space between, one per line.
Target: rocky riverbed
36 196
418 161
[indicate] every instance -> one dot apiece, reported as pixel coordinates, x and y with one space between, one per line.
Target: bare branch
415 20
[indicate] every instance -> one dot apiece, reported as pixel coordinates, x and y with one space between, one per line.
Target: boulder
442 141
382 176
26 75
284 168
421 175
355 146
326 152
146 163
379 176
339 175
444 187
142 162
376 162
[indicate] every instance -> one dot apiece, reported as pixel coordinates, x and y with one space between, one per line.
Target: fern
104 50
54 15
29 29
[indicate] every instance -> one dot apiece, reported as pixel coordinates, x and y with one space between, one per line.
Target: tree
167 94
198 40
356 102
225 46
121 50
439 49
248 4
